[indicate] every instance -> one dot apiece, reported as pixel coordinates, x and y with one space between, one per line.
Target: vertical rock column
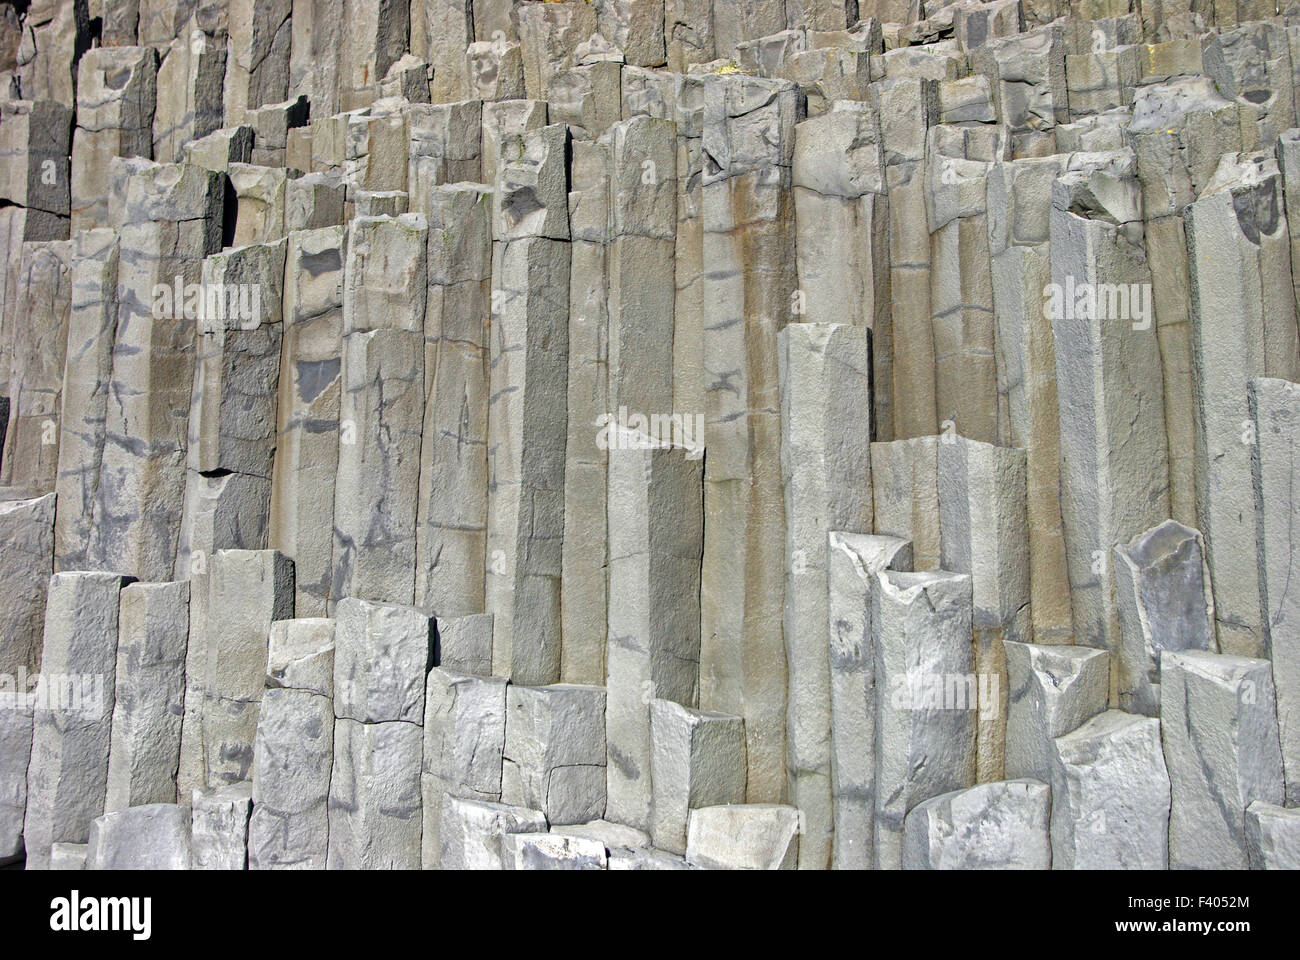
527 417
232 422
906 108
1275 412
985 534
826 472
116 91
247 591
307 412
842 222
189 104
27 529
1114 456
749 279
41 307
153 636
293 755
852 562
1019 205
88 368
451 538
381 656
172 221
381 414
584 574
1219 727
656 534
68 775
925 702
1243 326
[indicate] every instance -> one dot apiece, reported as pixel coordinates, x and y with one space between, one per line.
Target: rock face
649 434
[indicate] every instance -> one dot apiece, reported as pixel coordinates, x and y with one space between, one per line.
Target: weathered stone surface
16 722
826 467
473 832
27 528
464 743
656 541
68 774
555 751
744 837
300 655
1053 689
1219 726
145 742
465 644
219 827
698 760
546 851
1165 603
1110 796
293 760
1272 836
994 826
984 533
374 797
382 652
926 696
852 562
151 837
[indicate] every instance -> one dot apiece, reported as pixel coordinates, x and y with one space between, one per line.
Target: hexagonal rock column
27 529
464 743
36 140
1219 722
451 539
1243 326
985 533
153 638
374 796
307 412
381 654
68 774
473 832
852 562
1110 796
247 591
905 495
994 826
1273 836
842 238
116 91
527 415
744 837
747 280
554 758
1275 413
1114 455
88 368
294 752
16 722
656 532
826 469
698 760
155 836
926 697
465 644
1162 584
140 499
219 827
1053 690
231 438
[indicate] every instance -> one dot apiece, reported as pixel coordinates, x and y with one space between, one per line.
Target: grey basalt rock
381 654
1165 603
698 760
1110 796
1272 836
993 826
219 827
1219 726
374 797
555 751
744 837
1053 689
474 831
155 836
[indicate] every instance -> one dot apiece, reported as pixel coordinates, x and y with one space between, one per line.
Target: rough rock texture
716 432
